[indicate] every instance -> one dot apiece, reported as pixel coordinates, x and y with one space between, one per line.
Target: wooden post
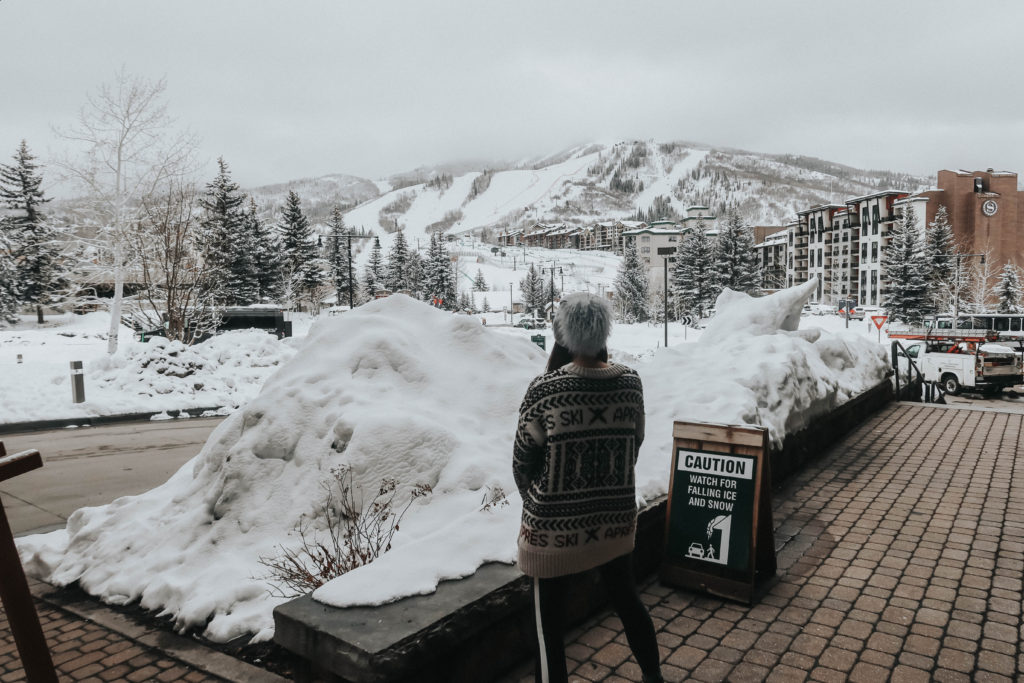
14 592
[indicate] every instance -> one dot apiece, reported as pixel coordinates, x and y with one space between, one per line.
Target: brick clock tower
986 210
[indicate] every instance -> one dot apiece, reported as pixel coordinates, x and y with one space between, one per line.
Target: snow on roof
656 231
873 195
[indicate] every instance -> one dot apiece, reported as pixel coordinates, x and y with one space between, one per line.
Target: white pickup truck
988 369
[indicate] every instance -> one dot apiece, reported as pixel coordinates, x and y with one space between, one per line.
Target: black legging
549 612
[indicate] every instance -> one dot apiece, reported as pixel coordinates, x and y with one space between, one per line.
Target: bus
1010 326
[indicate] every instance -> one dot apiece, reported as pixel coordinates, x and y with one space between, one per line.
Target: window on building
863 279
874 219
645 250
864 250
819 258
864 221
645 238
874 252
671 238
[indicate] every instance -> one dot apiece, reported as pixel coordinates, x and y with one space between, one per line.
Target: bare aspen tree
178 292
130 153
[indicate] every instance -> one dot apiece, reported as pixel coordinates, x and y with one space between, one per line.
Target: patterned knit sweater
575 450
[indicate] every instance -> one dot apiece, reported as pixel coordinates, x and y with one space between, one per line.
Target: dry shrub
357 533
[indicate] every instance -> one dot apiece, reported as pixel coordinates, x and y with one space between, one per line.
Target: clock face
990 207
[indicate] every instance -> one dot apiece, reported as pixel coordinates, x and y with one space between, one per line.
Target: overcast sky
294 89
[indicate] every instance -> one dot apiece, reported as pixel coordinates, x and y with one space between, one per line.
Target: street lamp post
510 305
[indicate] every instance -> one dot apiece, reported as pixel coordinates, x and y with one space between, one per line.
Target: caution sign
719 531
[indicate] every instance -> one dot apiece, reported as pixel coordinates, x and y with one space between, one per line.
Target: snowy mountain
319 195
582 184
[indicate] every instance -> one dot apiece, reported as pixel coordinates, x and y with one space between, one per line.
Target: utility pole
351 282
510 304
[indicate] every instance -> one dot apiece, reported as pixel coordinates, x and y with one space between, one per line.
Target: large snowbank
399 389
394 388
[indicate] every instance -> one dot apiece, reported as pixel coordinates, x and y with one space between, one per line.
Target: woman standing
580 428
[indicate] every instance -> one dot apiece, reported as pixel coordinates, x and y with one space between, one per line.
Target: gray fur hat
582 323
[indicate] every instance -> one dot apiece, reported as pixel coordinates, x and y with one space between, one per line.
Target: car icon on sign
695 550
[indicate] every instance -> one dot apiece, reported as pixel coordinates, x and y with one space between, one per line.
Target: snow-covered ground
399 389
227 370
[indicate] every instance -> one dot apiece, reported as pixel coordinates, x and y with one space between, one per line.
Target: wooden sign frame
693 570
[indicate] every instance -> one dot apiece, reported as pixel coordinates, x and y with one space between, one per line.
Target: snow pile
226 370
393 389
398 389
220 369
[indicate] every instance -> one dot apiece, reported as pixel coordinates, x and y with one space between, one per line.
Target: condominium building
655 243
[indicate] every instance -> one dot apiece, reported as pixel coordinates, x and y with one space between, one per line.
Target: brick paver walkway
84 651
901 554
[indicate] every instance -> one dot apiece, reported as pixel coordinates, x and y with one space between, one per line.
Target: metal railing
917 388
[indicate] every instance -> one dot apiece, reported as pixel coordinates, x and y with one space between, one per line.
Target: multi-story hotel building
659 235
986 211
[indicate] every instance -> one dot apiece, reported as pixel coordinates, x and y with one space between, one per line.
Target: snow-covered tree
479 283
227 247
9 289
416 275
631 286
694 278
439 280
373 275
131 154
486 306
267 262
1009 290
532 289
465 303
397 273
303 268
906 267
339 258
735 260
34 242
941 259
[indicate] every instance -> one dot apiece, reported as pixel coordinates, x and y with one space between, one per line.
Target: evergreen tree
940 255
439 280
465 303
694 278
479 283
905 265
487 306
33 243
1009 290
227 248
373 276
267 262
338 257
397 273
735 260
631 286
531 288
416 273
302 266
9 289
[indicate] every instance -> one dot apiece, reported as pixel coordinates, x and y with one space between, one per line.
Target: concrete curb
96 420
185 650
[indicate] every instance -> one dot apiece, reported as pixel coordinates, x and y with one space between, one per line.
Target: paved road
93 466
